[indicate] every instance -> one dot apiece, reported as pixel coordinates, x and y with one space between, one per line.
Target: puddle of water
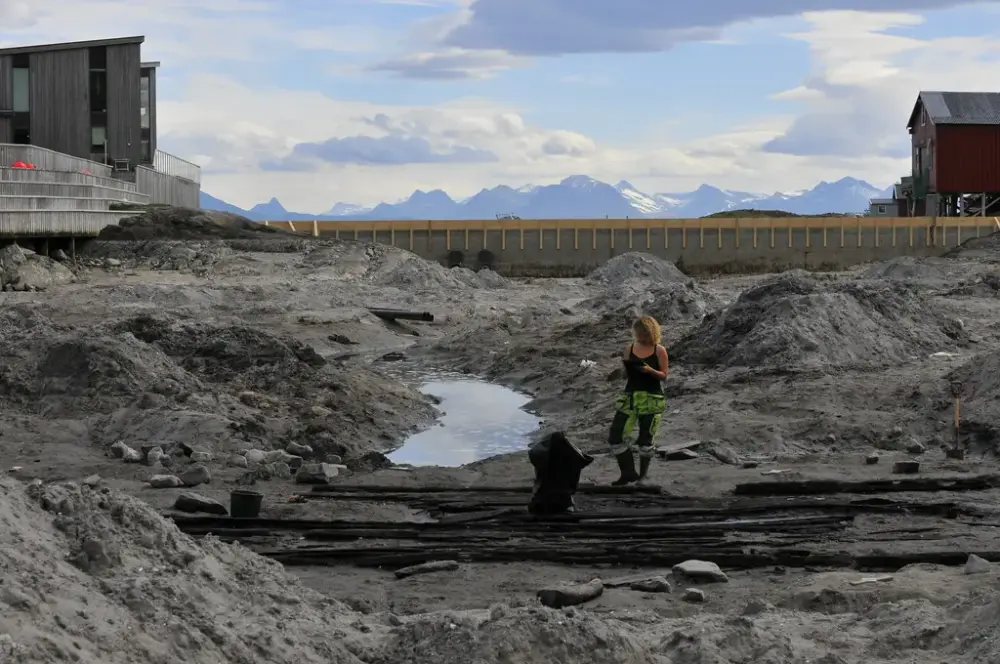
479 420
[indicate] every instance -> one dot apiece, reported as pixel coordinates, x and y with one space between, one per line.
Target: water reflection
479 420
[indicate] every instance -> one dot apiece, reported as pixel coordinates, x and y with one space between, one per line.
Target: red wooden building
955 138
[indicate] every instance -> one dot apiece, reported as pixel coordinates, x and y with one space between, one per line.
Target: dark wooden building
94 100
955 139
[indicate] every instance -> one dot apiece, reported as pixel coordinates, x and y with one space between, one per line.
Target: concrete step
63 177
56 203
53 223
73 190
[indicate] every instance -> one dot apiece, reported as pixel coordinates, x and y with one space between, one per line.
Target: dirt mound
523 636
173 223
244 356
979 379
795 322
97 577
407 271
977 247
908 268
637 265
151 379
666 302
984 285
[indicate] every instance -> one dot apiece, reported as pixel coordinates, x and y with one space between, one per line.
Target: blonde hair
647 331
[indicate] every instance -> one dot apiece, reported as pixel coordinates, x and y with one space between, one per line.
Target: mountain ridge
579 197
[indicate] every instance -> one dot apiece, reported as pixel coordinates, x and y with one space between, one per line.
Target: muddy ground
221 342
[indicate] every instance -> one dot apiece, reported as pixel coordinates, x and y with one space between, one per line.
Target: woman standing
642 402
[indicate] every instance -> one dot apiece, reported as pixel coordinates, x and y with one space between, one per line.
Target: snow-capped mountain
582 197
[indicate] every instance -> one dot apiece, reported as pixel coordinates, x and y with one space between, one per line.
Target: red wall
967 159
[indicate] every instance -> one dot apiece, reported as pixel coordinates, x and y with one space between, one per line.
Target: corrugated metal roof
67 46
968 108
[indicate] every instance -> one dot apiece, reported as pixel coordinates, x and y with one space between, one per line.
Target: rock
195 475
724 453
656 584
112 262
906 467
201 456
193 502
693 595
427 568
316 473
255 456
166 461
872 459
280 470
334 459
118 449
916 447
558 597
394 356
756 607
298 450
132 456
153 456
165 482
700 570
92 480
681 455
749 465
237 461
281 456
60 256
319 411
977 565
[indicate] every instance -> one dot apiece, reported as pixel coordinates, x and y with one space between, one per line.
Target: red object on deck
29 165
19 164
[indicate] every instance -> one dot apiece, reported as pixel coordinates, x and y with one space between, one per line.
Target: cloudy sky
320 101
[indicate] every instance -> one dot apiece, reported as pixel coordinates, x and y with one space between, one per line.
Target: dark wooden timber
124 94
821 487
394 314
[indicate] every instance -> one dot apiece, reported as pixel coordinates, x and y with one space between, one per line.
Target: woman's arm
661 355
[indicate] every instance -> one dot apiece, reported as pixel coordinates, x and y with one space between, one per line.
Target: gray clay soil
206 333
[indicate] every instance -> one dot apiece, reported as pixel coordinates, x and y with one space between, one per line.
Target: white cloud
865 81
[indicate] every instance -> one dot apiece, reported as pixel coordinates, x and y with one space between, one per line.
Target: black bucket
245 504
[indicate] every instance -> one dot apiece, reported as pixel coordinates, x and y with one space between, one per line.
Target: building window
22 91
881 209
21 125
144 101
98 91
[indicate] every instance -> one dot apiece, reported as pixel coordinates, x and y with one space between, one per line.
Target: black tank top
639 381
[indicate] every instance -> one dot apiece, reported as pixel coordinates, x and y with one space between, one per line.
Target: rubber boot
644 462
626 464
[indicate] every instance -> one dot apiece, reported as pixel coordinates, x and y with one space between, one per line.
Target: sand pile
908 268
407 271
99 578
670 302
794 322
153 380
521 636
637 265
980 382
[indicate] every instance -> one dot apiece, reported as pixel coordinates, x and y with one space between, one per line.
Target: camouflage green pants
631 409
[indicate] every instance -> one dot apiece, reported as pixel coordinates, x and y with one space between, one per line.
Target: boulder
977 565
192 502
295 449
237 461
700 570
656 584
165 482
195 475
561 596
693 595
316 473
255 456
201 456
